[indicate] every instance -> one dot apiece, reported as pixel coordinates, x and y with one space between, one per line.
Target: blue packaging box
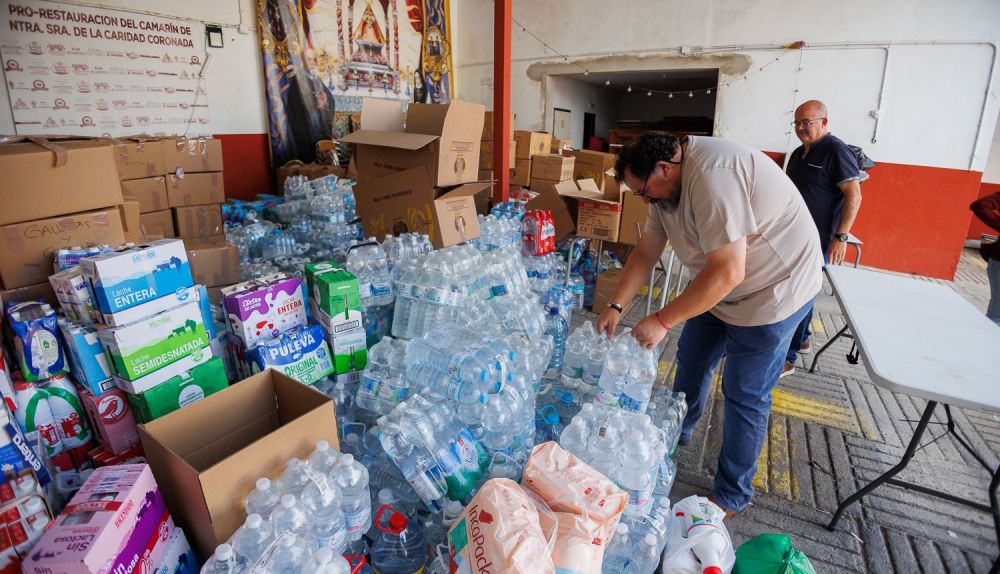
132 276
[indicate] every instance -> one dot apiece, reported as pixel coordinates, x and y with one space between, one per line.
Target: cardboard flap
426 118
296 399
381 115
467 190
398 140
579 189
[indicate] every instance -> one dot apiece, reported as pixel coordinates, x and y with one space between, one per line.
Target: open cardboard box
406 201
207 456
596 218
442 138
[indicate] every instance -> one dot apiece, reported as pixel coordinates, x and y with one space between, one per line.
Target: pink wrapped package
499 532
587 506
95 529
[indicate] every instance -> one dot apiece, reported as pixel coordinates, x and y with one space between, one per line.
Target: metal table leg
841 333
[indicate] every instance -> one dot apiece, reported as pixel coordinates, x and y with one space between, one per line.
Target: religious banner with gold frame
322 57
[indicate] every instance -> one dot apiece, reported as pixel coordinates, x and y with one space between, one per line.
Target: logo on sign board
20 104
119 104
50 123
102 105
195 61
102 87
83 88
167 59
81 69
59 104
131 55
12 66
152 73
86 122
35 49
126 122
39 85
60 69
56 49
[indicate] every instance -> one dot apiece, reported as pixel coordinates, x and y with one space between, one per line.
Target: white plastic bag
704 521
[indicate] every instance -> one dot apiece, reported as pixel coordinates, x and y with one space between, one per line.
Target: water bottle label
380 288
369 386
608 398
262 563
465 450
572 372
392 394
423 483
335 541
632 405
356 521
317 478
454 388
498 291
639 498
364 290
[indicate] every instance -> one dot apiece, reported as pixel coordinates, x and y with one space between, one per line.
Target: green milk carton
334 289
180 391
140 348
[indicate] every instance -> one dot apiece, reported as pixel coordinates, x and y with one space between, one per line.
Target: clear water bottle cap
223 553
254 521
322 446
287 501
263 484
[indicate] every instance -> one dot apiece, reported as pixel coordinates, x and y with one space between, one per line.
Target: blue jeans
993 272
754 358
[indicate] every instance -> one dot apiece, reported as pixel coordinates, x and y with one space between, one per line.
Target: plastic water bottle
576 287
611 385
287 555
289 516
647 556
352 478
400 547
618 556
418 467
263 499
555 327
575 358
326 561
250 540
323 458
223 561
358 555
550 427
639 380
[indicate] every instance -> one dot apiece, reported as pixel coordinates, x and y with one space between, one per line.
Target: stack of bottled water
557 328
495 233
627 554
513 209
627 379
404 248
431 289
368 263
583 363
505 272
383 382
544 272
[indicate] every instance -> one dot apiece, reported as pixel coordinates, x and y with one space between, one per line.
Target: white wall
234 75
579 97
992 173
931 104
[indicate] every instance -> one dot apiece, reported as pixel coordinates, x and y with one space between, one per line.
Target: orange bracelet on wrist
662 323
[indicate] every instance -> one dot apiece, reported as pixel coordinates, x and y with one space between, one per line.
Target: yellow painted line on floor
789 404
977 261
760 483
817 326
774 473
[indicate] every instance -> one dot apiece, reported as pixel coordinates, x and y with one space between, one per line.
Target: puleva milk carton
264 308
94 528
131 276
301 354
140 348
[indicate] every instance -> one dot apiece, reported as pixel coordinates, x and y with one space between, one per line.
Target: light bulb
670 95
630 88
649 93
607 82
586 72
708 91
690 94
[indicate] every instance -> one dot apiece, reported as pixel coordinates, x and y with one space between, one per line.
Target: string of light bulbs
650 91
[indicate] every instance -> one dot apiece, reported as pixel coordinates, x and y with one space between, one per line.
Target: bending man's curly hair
641 154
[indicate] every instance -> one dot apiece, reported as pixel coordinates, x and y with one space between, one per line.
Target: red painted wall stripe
247 162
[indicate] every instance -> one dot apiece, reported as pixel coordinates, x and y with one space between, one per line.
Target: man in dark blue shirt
826 172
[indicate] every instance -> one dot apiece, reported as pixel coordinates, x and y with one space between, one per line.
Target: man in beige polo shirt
740 225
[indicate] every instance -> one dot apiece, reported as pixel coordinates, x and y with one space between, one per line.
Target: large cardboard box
443 139
551 167
488 126
486 155
407 202
140 158
150 192
131 220
192 155
310 170
198 222
213 263
195 189
65 177
520 172
594 165
158 224
596 218
206 457
26 248
558 145
634 211
532 143
607 284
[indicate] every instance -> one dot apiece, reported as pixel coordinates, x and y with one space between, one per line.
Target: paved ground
833 430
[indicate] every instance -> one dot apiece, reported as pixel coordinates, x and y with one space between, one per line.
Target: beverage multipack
538 233
130 276
163 374
36 339
265 307
69 257
67 411
87 361
154 342
112 419
179 296
348 341
333 289
17 453
94 528
179 391
302 354
74 295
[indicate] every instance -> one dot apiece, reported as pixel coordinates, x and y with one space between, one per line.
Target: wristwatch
842 237
615 306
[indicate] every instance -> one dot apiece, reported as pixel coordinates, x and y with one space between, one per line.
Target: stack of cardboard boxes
61 195
527 145
418 178
195 187
142 168
486 147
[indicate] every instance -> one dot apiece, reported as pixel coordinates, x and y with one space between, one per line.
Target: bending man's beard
668 204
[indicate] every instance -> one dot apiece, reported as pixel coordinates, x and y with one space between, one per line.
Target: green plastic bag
771 554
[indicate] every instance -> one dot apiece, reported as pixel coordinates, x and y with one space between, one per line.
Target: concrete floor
833 430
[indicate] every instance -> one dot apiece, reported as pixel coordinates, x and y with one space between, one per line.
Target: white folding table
922 339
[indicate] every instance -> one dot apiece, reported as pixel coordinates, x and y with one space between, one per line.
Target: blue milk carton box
301 354
87 360
132 276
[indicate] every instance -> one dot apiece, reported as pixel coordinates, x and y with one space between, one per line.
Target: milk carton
145 346
163 374
264 308
94 528
148 542
36 340
332 289
180 391
179 558
16 454
348 342
131 276
68 258
87 361
302 354
74 295
174 298
112 419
